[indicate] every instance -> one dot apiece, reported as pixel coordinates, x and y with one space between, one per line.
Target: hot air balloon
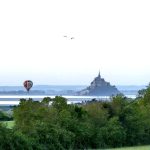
28 84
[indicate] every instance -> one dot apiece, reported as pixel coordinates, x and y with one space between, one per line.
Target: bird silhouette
65 36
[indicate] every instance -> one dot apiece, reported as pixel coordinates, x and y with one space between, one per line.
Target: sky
112 36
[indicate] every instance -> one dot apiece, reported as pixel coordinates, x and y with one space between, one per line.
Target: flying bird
65 36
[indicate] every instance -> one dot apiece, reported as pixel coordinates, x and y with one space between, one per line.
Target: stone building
99 87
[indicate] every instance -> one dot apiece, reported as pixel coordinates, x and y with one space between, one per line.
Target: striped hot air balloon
28 84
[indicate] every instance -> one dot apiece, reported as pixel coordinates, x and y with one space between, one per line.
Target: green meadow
132 148
9 124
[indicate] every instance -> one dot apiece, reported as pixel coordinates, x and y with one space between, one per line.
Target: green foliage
13 140
60 103
54 124
4 116
113 134
97 114
147 95
4 137
46 100
117 105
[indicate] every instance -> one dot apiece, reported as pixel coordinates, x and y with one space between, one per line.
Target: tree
112 134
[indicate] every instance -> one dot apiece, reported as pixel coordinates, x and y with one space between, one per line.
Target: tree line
54 124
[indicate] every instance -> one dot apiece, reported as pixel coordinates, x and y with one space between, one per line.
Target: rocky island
99 87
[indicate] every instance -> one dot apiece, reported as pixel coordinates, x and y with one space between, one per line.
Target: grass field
132 148
9 124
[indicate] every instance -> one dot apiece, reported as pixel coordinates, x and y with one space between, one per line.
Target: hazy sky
110 35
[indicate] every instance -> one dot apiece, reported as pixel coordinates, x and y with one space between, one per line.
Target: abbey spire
99 75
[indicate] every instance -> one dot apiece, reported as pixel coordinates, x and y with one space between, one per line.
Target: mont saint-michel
99 87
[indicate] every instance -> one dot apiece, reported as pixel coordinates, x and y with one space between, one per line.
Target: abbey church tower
99 87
